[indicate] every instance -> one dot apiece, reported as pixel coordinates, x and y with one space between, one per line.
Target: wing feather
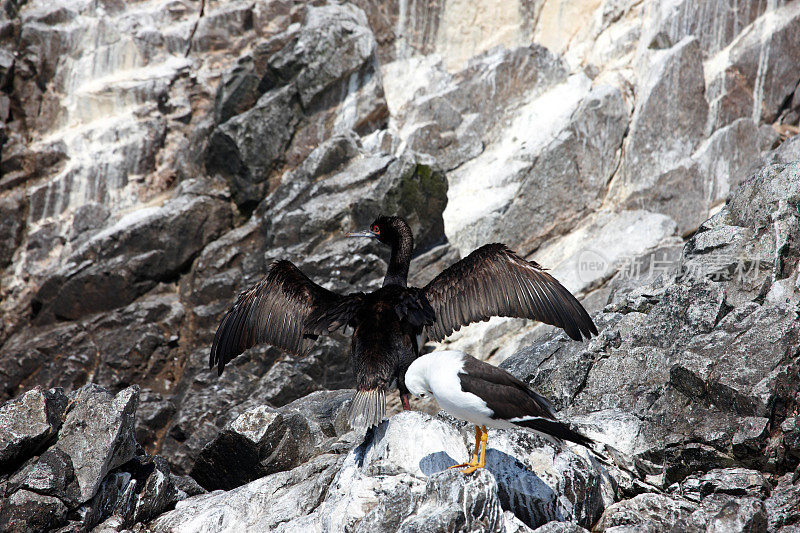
494 281
276 311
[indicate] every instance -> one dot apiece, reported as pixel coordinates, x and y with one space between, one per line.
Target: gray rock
454 502
263 440
27 511
12 208
452 123
137 492
27 423
791 435
731 481
727 157
235 149
749 79
98 434
715 24
560 527
235 456
131 257
493 80
787 152
186 486
268 503
158 489
50 474
533 475
537 197
282 92
116 494
394 505
653 512
664 130
335 42
152 416
134 344
89 217
741 514
783 505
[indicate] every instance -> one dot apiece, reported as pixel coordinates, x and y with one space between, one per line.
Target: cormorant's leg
475 453
406 403
479 464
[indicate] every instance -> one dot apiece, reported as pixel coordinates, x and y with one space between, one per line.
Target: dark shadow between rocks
436 462
361 450
521 491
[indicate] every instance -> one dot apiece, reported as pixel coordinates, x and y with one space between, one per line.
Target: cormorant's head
389 230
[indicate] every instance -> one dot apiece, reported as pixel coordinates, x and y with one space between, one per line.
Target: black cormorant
288 310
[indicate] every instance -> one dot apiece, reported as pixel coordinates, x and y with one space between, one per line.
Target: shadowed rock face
155 157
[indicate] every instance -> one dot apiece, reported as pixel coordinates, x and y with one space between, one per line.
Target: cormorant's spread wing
494 281
275 311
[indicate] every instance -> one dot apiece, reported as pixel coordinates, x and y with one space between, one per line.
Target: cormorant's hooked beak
369 234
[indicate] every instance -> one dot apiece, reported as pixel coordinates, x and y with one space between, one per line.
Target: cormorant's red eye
376 229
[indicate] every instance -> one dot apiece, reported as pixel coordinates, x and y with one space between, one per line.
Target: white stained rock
398 480
596 250
415 443
261 505
481 189
28 421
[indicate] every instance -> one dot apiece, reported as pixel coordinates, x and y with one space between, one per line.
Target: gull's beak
368 234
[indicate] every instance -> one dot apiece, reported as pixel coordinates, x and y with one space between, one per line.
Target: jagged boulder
124 261
98 434
29 511
27 423
87 469
397 479
263 440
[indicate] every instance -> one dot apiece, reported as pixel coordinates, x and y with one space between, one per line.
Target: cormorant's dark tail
368 408
556 429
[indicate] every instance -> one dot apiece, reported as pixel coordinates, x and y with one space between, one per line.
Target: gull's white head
434 370
417 379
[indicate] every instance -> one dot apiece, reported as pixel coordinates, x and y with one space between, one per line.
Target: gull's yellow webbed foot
475 463
474 460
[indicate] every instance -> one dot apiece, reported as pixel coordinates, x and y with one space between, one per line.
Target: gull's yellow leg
475 464
474 460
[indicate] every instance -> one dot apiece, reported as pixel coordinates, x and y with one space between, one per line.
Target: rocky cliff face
156 156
